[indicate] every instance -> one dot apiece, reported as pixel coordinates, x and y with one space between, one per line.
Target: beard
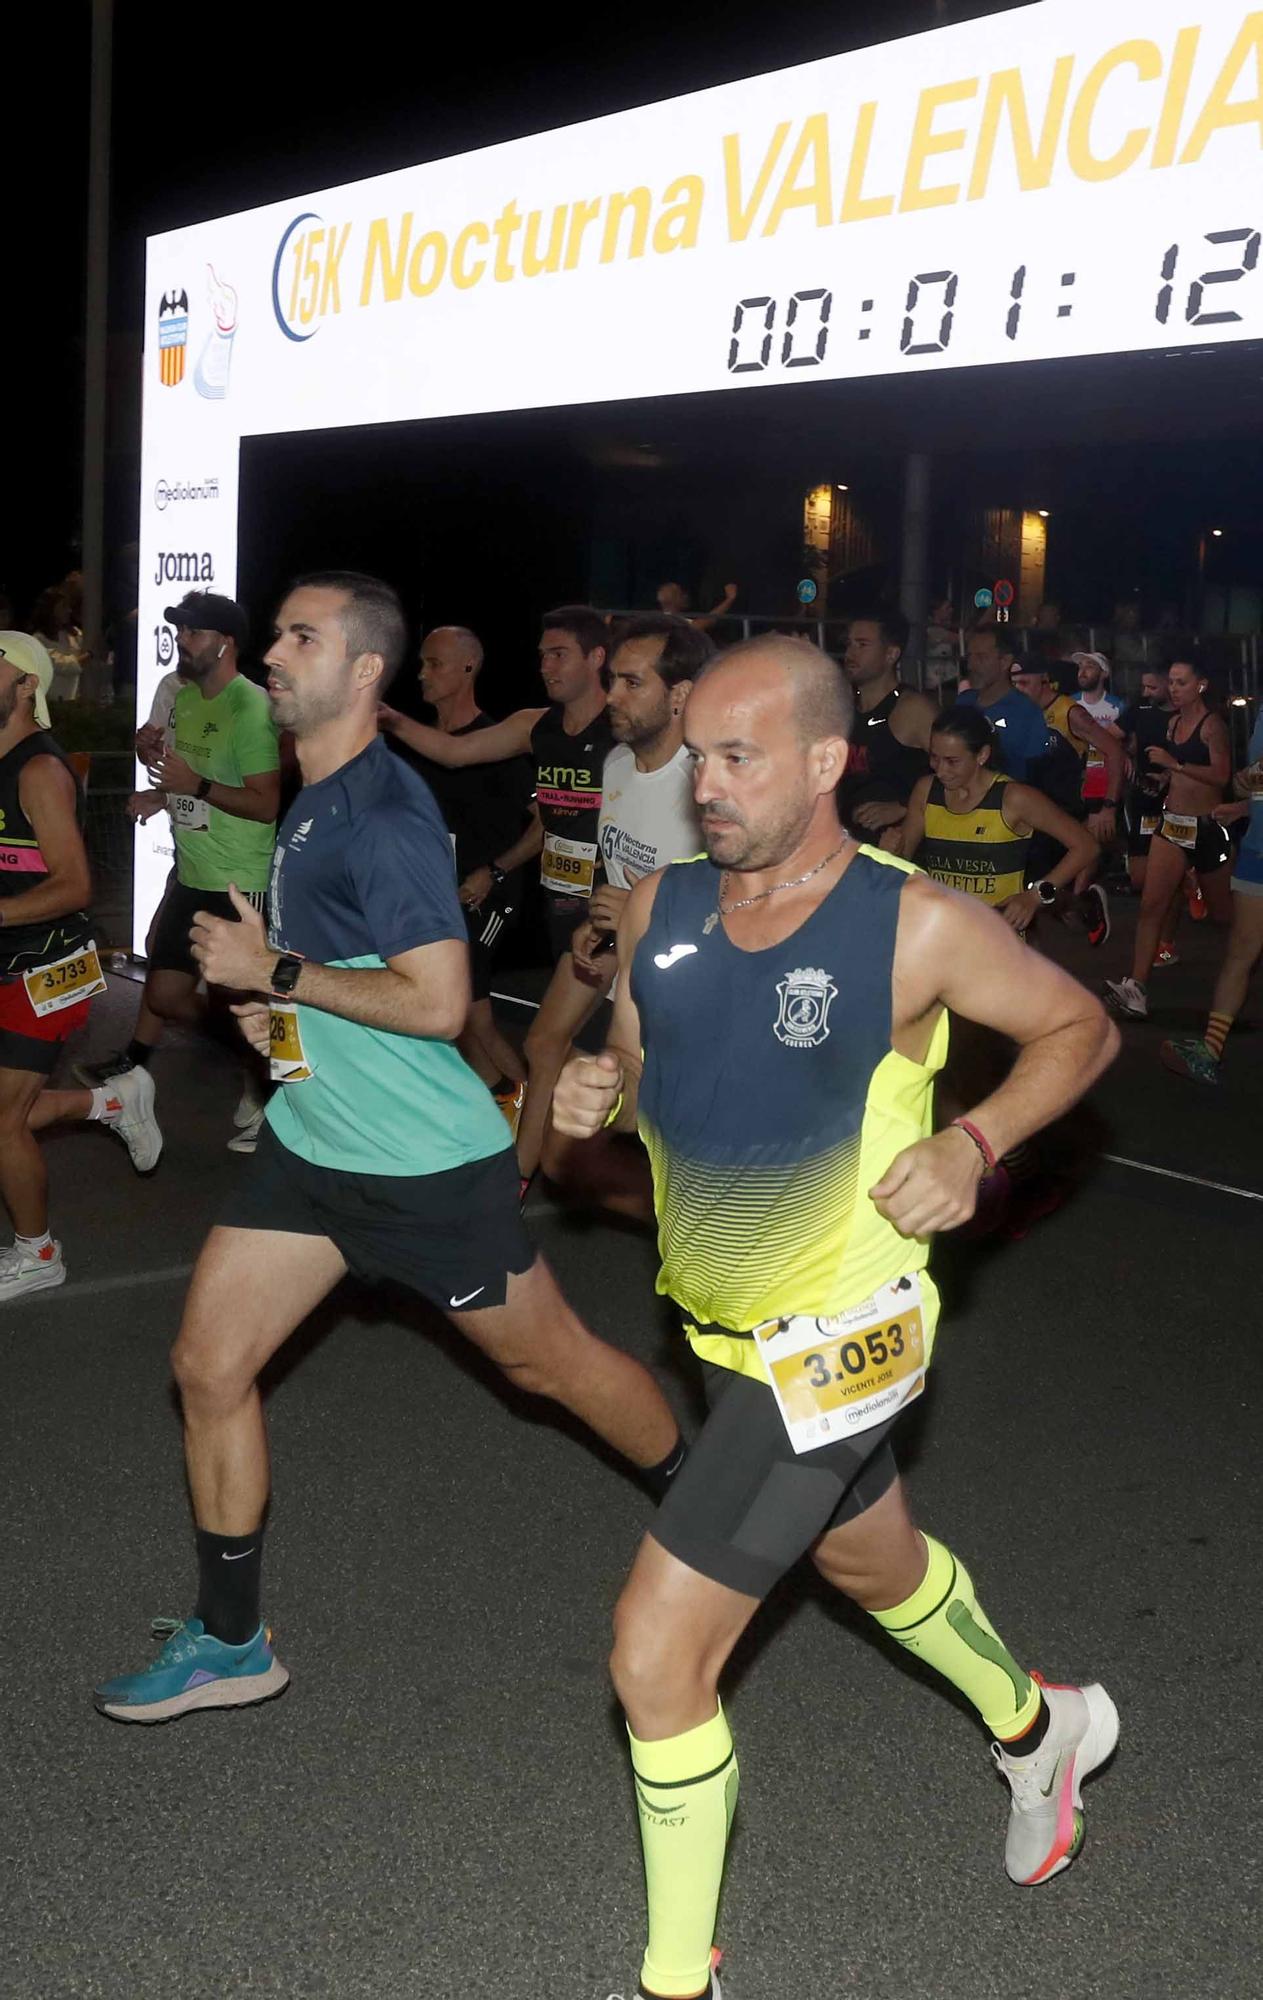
731 842
8 702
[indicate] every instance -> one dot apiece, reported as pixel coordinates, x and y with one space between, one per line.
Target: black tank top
23 867
880 766
569 776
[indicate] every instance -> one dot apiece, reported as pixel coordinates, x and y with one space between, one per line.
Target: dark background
487 520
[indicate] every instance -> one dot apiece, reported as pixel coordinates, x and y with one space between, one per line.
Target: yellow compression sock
686 1792
1217 1033
944 1625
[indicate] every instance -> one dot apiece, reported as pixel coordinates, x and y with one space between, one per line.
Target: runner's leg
488 1052
23 1174
544 1347
566 1005
1163 875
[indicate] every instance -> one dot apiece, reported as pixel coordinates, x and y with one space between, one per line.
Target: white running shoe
1128 997
1046 1819
250 1103
22 1272
247 1138
134 1120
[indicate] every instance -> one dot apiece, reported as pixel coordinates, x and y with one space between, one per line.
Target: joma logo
184 566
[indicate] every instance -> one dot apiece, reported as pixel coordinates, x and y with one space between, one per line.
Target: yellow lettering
856 205
1006 94
330 292
739 218
532 262
1168 127
393 264
1217 113
433 244
926 142
813 140
1146 59
473 232
638 203
581 214
504 229
678 224
311 271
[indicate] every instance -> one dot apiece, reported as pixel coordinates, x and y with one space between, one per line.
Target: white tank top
647 817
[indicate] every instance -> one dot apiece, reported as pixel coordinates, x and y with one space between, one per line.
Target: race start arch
1061 180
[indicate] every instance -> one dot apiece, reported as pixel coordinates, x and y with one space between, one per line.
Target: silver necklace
724 910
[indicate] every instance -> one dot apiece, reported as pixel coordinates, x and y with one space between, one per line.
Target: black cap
203 611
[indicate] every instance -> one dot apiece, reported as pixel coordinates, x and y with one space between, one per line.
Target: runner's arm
528 844
510 738
912 719
590 1087
423 991
912 831
1108 742
1031 808
46 792
949 953
257 797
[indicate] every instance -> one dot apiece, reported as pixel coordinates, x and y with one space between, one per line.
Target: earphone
220 654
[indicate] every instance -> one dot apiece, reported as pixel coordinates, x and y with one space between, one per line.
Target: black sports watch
1046 892
498 875
203 787
285 974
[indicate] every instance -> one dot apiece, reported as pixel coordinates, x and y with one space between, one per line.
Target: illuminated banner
1070 178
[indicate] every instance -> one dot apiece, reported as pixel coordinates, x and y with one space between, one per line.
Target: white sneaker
1046 1820
134 1120
247 1138
1128 996
250 1103
20 1272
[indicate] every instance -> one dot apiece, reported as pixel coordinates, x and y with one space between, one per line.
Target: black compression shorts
745 1505
563 915
455 1237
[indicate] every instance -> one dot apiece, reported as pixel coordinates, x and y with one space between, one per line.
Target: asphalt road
439 1808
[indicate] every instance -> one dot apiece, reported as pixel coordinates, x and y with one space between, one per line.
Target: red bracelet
972 1132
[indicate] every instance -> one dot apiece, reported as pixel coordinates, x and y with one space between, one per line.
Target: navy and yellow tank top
976 851
770 1103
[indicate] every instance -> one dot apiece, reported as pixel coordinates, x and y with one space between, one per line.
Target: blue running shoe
194 1671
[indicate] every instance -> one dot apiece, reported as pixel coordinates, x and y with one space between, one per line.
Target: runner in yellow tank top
970 827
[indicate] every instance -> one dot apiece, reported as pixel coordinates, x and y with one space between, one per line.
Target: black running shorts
169 946
486 927
562 915
454 1237
745 1506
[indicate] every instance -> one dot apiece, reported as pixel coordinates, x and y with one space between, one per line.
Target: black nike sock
139 1053
228 1568
1031 1738
658 1477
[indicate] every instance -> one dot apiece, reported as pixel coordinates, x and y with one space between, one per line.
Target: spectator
673 599
942 646
53 623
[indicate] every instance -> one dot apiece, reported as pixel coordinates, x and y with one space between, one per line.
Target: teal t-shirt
227 739
363 871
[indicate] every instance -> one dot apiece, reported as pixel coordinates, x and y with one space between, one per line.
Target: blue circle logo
282 318
807 591
982 598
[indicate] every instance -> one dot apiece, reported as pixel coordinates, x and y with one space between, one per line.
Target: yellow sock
686 1791
1217 1033
944 1625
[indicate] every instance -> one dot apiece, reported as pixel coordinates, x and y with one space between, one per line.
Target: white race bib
186 811
833 1378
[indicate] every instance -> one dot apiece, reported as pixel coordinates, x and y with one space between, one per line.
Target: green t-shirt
227 739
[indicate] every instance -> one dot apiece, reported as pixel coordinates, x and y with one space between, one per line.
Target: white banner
1065 179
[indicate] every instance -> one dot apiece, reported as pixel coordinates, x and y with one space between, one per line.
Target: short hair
1000 633
372 619
585 626
894 628
465 632
685 650
823 703
968 722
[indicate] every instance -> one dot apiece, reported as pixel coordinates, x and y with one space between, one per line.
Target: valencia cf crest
806 997
173 336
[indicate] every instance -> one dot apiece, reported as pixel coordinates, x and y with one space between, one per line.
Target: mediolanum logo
184 566
170 492
307 274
